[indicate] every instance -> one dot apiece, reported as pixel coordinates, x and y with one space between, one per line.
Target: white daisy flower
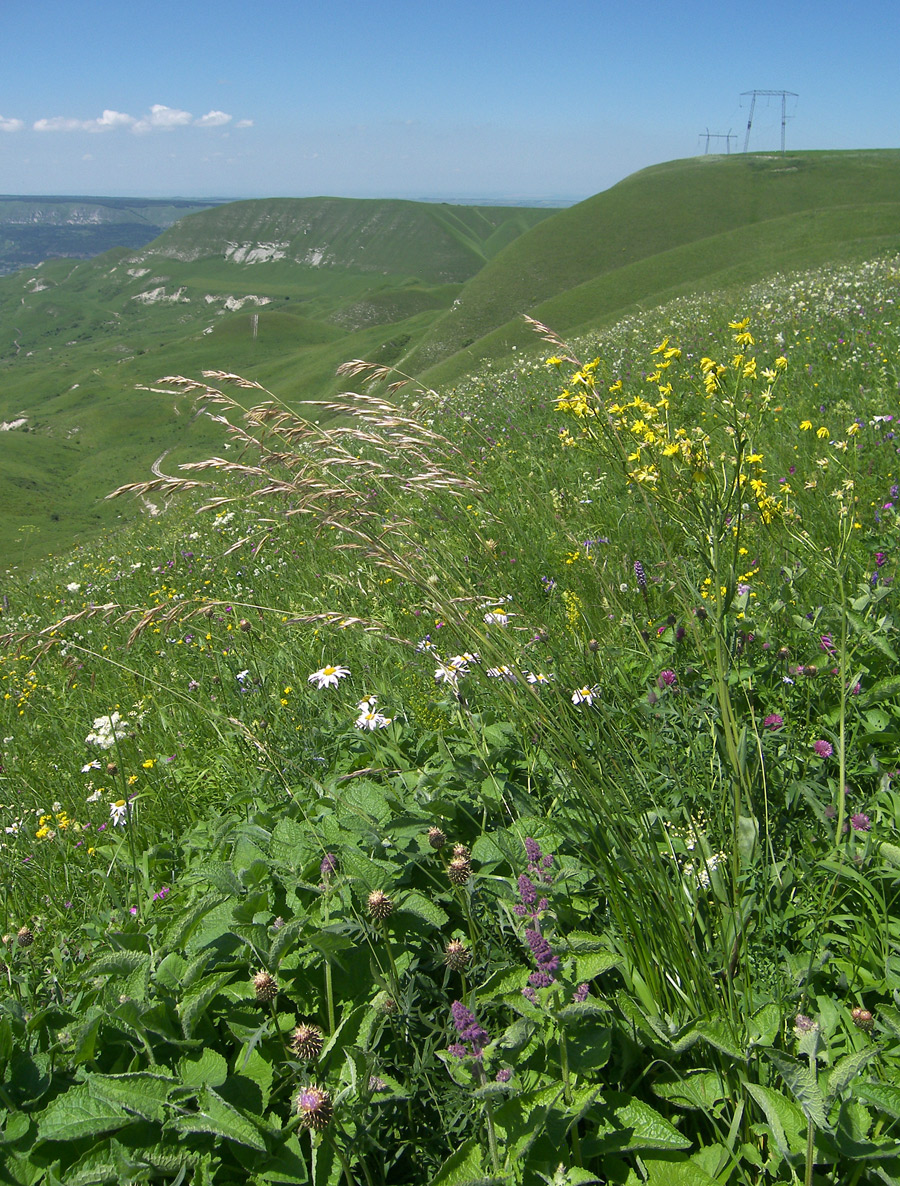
496 618
118 813
538 677
585 695
503 672
328 677
372 720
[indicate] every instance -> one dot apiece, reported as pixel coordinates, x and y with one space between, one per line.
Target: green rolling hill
284 290
683 226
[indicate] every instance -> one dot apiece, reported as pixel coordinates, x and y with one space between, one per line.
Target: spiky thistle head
307 1042
380 905
313 1105
457 956
265 986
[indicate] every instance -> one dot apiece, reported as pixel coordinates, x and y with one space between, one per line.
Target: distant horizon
555 200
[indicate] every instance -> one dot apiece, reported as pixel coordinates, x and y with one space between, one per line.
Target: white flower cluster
370 719
107 731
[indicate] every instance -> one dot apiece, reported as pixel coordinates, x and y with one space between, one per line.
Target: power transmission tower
726 136
753 94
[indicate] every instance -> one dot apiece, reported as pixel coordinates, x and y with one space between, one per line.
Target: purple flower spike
533 851
544 956
468 1028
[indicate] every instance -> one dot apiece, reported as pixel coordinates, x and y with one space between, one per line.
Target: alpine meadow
450 691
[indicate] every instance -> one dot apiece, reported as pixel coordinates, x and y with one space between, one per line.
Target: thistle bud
863 1020
457 956
25 937
380 905
112 769
460 852
244 625
459 870
314 1108
307 1042
436 838
265 987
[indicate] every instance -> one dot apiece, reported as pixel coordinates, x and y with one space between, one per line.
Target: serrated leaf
187 921
884 689
192 1007
215 1116
579 941
79 1113
120 963
594 963
208 1070
884 1095
464 1168
718 1035
846 1069
628 1123
803 1084
220 876
292 844
142 1093
422 907
786 1121
703 1090
676 1172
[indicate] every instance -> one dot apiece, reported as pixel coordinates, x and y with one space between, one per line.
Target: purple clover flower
860 822
773 721
823 748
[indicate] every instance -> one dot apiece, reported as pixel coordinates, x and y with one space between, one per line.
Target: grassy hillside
284 290
681 226
523 812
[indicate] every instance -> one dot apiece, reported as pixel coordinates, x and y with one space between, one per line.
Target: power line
726 136
754 94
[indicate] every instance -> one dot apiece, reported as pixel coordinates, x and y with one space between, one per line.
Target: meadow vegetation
497 784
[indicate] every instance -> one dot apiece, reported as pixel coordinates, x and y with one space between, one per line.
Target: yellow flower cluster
655 445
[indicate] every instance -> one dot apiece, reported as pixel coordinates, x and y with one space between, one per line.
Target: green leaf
220 876
120 963
418 904
884 1095
846 1069
216 1116
803 1084
628 1123
675 1170
889 853
463 1168
718 1035
765 1025
292 844
142 1093
79 1113
703 1089
593 963
786 1121
884 689
195 1003
208 1070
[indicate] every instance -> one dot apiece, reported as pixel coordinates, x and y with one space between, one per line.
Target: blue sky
423 98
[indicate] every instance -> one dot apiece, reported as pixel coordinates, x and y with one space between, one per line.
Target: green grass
715 625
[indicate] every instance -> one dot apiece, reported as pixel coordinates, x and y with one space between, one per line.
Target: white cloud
59 123
108 120
10 125
244 123
159 118
212 119
165 117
